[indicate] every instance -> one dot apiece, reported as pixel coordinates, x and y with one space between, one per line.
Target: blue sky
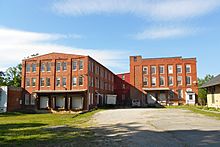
112 30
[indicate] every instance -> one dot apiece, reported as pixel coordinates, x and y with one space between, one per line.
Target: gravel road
154 127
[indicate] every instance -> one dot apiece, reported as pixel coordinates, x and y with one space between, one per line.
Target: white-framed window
48 66
48 82
145 70
179 68
58 82
42 67
162 81
64 66
170 69
161 69
179 80
64 81
74 65
42 82
28 82
80 80
74 81
145 81
28 67
154 81
153 69
33 81
58 66
180 93
188 80
170 80
81 65
188 68
34 67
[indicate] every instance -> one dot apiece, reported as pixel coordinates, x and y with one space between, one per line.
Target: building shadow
123 135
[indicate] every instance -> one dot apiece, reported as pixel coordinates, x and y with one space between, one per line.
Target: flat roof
153 89
60 91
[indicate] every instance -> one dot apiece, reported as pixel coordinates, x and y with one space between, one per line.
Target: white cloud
164 32
17 44
157 9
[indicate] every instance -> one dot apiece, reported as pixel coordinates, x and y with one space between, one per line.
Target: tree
202 97
2 78
13 76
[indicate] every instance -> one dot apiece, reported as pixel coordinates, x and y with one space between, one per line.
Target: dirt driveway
155 127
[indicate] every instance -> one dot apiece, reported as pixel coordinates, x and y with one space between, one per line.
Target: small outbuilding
213 90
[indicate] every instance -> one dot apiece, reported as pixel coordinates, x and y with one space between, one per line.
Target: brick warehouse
75 82
66 82
164 80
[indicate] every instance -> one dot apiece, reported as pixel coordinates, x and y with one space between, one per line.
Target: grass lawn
198 109
18 129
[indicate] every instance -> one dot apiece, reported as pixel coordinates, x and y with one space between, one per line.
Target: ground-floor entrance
62 100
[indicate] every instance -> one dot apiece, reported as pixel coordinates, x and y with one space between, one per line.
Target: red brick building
164 80
66 81
122 89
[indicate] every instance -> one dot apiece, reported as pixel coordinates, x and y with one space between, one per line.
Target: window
58 66
74 65
58 82
170 69
64 66
48 82
123 86
28 82
81 65
74 81
179 68
33 81
26 99
33 67
97 70
41 82
171 94
179 80
153 82
42 67
123 77
190 97
32 100
153 69
145 70
188 80
64 81
161 69
162 81
145 81
48 66
80 81
135 59
188 68
170 79
180 94
28 68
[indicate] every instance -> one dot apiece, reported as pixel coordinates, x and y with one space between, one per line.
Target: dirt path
155 127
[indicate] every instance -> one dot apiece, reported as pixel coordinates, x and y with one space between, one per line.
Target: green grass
18 129
200 110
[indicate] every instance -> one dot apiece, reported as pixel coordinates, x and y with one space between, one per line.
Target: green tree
13 76
2 78
202 97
